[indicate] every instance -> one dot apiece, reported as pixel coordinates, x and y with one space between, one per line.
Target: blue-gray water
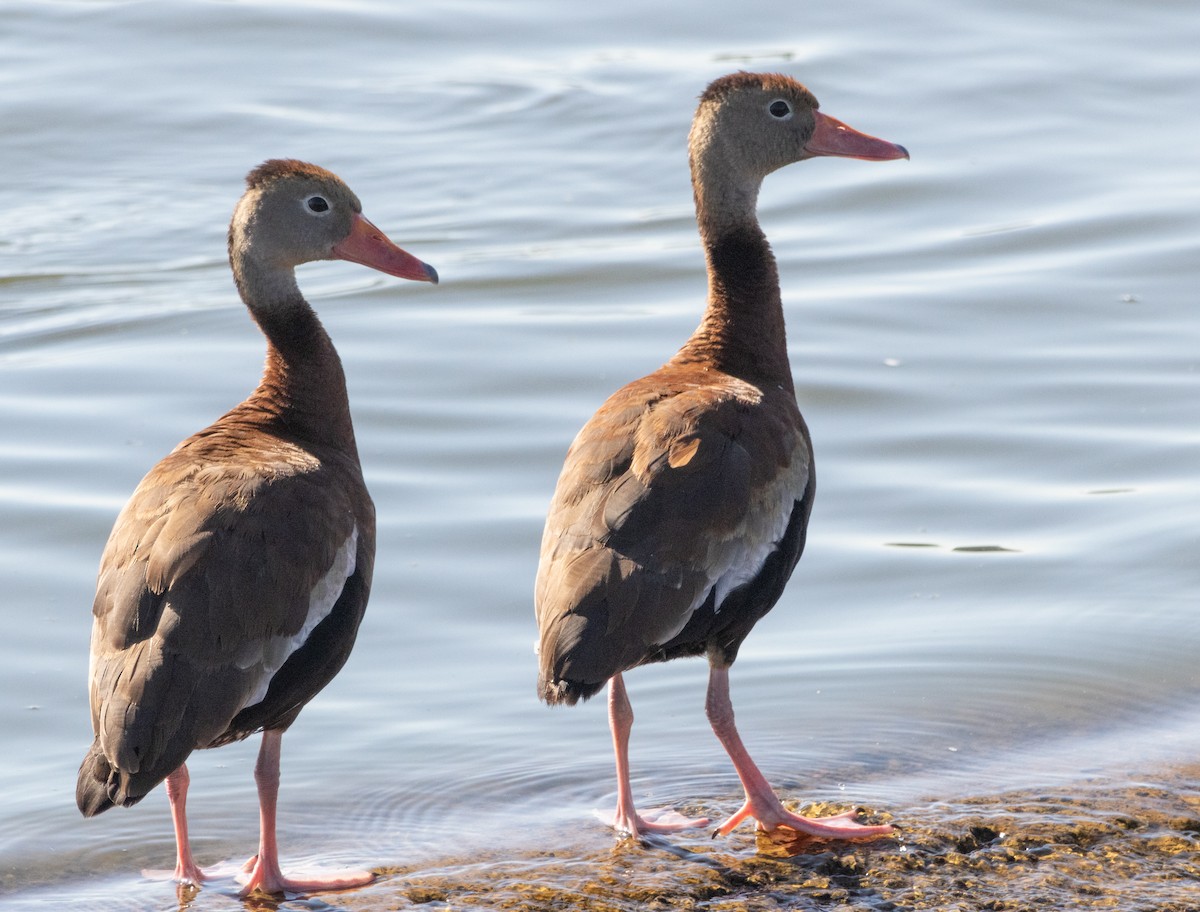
995 346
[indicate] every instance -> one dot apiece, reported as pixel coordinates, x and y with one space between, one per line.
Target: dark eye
780 109
317 204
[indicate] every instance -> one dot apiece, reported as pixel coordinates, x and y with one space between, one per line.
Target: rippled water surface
992 637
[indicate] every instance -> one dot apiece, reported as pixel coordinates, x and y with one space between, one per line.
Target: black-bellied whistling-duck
682 507
234 581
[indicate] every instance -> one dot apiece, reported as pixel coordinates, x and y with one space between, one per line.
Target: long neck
303 389
742 332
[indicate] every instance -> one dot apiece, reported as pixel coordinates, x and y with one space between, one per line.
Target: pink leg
263 873
626 818
761 802
186 869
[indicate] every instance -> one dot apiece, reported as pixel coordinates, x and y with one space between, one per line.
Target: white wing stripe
270 655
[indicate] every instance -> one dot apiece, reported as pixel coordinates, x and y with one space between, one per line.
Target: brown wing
672 496
216 576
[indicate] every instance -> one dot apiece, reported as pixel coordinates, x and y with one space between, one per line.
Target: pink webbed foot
256 876
761 801
654 820
262 876
188 873
194 876
771 815
625 819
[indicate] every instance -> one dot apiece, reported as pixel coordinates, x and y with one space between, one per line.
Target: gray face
753 130
294 219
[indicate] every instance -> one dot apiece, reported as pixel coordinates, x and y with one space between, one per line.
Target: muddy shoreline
1099 844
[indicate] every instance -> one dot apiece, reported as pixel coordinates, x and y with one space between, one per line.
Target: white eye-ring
780 109
316 204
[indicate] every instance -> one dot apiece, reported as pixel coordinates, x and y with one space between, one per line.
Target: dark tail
568 692
100 786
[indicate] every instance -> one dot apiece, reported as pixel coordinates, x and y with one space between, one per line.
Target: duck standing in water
233 583
682 508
